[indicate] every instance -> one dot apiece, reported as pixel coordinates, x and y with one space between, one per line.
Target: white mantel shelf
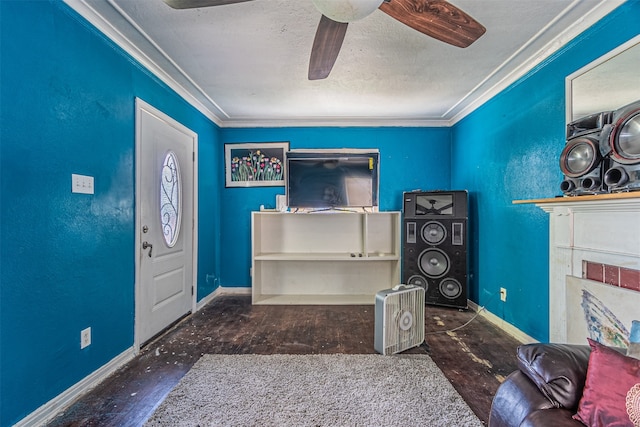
602 228
610 198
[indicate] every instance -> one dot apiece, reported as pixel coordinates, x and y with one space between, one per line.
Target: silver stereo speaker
620 141
581 161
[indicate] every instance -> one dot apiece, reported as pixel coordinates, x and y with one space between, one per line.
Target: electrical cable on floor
458 327
480 309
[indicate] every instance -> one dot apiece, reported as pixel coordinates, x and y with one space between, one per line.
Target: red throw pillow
611 395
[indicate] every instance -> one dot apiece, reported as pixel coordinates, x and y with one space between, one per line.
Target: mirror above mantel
607 83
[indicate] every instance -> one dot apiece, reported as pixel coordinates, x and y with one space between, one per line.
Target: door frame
141 105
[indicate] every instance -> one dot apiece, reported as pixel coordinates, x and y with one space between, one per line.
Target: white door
165 160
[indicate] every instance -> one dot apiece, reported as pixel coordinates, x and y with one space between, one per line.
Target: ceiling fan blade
436 18
192 4
326 46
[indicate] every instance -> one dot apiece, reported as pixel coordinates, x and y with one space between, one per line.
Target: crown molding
140 46
148 54
334 122
589 18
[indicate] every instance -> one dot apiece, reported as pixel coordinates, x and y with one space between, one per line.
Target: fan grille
403 320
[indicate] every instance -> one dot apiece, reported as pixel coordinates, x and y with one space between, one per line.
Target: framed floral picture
255 164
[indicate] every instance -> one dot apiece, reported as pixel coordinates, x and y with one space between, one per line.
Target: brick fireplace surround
611 274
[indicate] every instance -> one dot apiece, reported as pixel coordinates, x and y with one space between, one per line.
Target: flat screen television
324 180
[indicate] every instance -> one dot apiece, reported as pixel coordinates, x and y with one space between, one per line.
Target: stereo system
602 153
435 245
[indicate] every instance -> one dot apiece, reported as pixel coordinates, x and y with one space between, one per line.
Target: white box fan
399 319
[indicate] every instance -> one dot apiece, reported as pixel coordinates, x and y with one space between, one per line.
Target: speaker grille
580 156
433 233
417 280
434 263
626 142
450 288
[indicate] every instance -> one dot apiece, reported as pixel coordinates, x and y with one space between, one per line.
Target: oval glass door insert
170 199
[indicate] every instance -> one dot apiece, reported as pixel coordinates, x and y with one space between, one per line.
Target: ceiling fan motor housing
347 10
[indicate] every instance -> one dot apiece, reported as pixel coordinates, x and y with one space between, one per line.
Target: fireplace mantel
598 199
595 228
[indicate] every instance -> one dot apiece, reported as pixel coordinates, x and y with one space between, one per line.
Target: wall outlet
85 338
81 184
503 295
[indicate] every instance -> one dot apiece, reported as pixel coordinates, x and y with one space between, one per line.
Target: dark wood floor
475 358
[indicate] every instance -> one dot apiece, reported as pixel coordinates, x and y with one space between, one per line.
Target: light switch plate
81 184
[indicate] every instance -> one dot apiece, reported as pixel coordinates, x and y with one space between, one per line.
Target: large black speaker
435 245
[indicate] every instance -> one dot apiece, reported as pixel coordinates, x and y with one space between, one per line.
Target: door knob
147 245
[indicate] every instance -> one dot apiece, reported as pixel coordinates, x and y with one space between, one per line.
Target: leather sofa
546 388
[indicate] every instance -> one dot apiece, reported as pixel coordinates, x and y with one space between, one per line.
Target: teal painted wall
508 149
67 260
410 158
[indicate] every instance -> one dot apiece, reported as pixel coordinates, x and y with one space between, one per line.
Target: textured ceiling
246 64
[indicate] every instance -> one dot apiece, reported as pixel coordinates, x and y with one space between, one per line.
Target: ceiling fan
435 18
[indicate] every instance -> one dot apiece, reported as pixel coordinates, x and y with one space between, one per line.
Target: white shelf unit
324 257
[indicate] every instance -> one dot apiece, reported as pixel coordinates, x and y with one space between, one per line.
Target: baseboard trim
222 291
501 323
234 291
206 300
61 402
52 408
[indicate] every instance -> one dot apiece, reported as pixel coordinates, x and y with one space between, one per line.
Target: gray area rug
314 390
